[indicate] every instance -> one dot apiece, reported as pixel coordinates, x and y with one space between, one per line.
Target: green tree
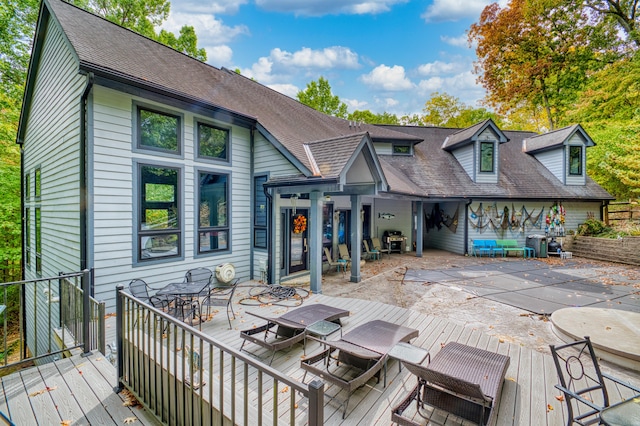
626 14
539 53
143 17
318 96
444 110
369 117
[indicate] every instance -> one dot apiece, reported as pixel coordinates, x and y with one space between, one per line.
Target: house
141 162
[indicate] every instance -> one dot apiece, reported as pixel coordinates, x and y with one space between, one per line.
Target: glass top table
323 328
626 413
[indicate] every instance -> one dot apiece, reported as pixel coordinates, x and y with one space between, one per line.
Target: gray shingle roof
109 50
438 174
464 136
553 139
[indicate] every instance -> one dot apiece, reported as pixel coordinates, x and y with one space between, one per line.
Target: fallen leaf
41 391
130 420
549 408
65 423
511 378
560 398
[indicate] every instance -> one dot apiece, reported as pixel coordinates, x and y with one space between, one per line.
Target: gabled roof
117 54
435 172
470 134
554 139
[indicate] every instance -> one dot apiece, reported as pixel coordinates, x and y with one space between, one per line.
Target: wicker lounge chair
290 327
460 379
361 354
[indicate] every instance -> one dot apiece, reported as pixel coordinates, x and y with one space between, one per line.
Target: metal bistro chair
582 382
221 295
140 290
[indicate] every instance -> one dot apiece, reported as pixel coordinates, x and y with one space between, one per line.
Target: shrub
593 228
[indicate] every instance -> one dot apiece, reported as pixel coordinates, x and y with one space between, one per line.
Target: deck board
527 393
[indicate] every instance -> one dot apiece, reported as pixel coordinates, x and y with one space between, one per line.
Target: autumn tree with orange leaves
536 55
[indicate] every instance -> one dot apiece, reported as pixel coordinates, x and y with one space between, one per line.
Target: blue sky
380 55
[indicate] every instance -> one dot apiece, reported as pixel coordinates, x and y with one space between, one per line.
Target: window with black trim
27 236
159 221
401 149
27 185
213 212
158 130
486 156
38 240
260 215
213 142
37 183
575 160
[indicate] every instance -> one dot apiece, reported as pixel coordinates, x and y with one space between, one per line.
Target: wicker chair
460 379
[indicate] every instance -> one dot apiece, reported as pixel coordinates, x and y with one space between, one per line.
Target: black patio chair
221 295
140 290
199 274
582 382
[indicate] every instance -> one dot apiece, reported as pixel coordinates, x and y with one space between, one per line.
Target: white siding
383 148
553 160
444 238
113 203
465 156
401 222
576 214
52 144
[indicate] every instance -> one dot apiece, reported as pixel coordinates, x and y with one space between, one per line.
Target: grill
394 241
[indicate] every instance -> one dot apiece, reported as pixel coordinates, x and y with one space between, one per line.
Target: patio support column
356 238
419 227
315 242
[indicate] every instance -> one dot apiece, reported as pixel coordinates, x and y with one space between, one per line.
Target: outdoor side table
322 329
409 353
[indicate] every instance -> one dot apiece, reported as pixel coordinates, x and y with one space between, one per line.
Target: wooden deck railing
49 319
185 377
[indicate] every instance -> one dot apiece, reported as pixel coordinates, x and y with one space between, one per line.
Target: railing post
102 336
316 403
119 339
86 310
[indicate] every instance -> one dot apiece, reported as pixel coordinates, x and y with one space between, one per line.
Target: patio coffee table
407 352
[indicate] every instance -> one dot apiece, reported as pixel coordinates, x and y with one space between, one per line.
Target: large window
38 241
27 236
213 142
213 212
575 160
486 157
260 210
27 185
158 130
37 183
159 222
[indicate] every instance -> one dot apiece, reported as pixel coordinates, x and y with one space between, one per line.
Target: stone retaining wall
625 250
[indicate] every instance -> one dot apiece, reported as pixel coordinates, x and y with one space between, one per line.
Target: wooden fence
622 211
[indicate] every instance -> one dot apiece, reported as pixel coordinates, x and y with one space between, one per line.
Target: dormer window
575 160
486 156
401 149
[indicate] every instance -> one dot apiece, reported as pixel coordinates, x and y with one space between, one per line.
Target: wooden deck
84 392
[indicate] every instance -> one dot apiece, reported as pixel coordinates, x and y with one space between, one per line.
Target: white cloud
387 78
210 31
219 55
260 71
462 86
460 41
439 67
286 89
211 7
355 104
329 7
327 58
454 10
390 102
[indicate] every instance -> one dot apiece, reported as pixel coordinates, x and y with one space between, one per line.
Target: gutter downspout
466 227
269 235
84 261
253 198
